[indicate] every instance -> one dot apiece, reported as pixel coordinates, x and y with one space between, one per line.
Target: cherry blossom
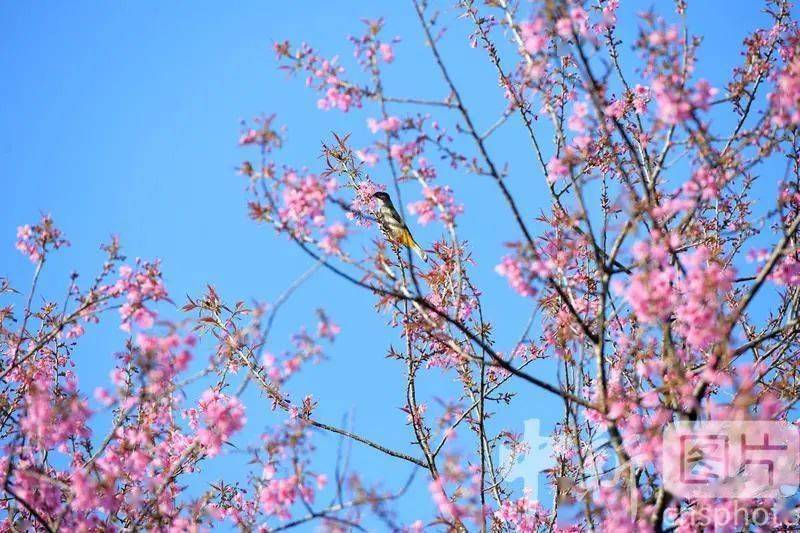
630 256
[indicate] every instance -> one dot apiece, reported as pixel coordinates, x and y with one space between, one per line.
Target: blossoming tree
664 285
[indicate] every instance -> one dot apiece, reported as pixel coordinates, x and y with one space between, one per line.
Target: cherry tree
663 279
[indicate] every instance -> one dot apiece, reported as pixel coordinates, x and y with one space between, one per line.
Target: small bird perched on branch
392 226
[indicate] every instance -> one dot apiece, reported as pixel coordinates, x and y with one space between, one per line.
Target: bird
392 226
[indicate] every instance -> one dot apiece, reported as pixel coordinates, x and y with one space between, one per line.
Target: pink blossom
262 134
641 96
582 142
367 156
443 503
304 200
363 202
564 28
223 416
387 53
278 495
787 271
51 418
334 234
84 490
35 241
615 109
518 274
416 527
248 137
577 21
335 99
705 183
405 152
75 331
651 294
610 14
556 168
439 201
324 75
673 108
651 290
139 287
388 124
785 99
577 121
699 316
534 35
523 515
674 105
103 396
702 94
659 38
327 329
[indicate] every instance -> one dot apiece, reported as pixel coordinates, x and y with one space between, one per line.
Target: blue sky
123 118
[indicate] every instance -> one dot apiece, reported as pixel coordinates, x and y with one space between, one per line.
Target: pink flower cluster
464 504
53 417
609 16
706 183
337 94
262 134
164 357
369 49
785 99
650 291
616 109
672 107
304 199
305 348
699 315
557 168
640 98
676 105
656 290
326 328
577 21
534 35
324 75
331 242
577 120
438 200
404 153
523 515
367 156
278 495
34 241
518 275
390 124
787 271
283 482
139 286
386 52
522 271
222 416
663 37
363 203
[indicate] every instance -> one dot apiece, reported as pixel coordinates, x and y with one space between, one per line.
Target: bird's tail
409 241
419 251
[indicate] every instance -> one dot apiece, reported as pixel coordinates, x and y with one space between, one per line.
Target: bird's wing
395 214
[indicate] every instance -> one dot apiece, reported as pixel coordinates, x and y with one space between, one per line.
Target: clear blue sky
123 118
